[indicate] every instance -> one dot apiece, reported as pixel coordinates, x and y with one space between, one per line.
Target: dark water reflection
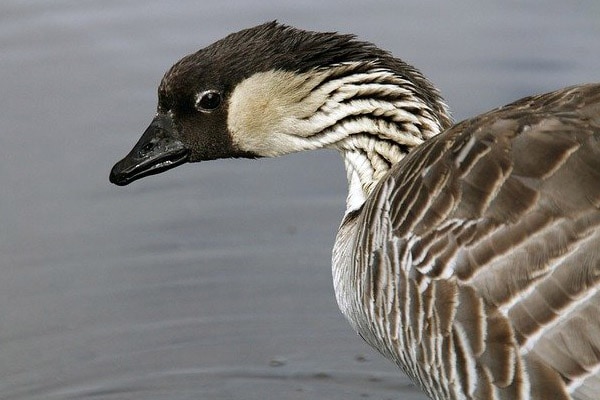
211 281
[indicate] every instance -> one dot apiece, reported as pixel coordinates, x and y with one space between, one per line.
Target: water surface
213 280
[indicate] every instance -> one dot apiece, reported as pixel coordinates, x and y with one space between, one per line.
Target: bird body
468 254
478 252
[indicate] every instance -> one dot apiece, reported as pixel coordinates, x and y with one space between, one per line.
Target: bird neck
366 161
380 118
372 114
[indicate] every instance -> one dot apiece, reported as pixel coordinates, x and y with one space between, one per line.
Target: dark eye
208 101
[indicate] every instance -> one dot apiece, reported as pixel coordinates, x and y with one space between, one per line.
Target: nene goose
469 255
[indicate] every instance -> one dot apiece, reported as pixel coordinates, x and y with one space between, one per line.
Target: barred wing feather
478 256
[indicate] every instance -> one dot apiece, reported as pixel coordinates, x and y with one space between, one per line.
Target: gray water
211 281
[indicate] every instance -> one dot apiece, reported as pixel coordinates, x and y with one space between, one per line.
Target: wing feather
496 229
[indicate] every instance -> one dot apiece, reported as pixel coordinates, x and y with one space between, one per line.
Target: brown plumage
500 218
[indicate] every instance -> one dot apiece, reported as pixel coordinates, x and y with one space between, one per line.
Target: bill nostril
147 148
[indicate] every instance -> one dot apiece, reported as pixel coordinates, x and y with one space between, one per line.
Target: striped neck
371 114
380 119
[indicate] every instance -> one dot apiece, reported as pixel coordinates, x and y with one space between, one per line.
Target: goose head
264 92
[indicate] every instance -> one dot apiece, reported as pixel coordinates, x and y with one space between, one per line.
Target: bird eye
208 101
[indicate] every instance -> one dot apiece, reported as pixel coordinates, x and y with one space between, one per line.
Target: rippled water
212 280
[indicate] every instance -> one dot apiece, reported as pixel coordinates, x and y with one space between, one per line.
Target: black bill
157 150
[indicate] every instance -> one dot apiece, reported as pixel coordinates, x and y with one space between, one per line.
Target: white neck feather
375 133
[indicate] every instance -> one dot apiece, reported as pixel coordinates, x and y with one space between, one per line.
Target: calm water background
211 281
